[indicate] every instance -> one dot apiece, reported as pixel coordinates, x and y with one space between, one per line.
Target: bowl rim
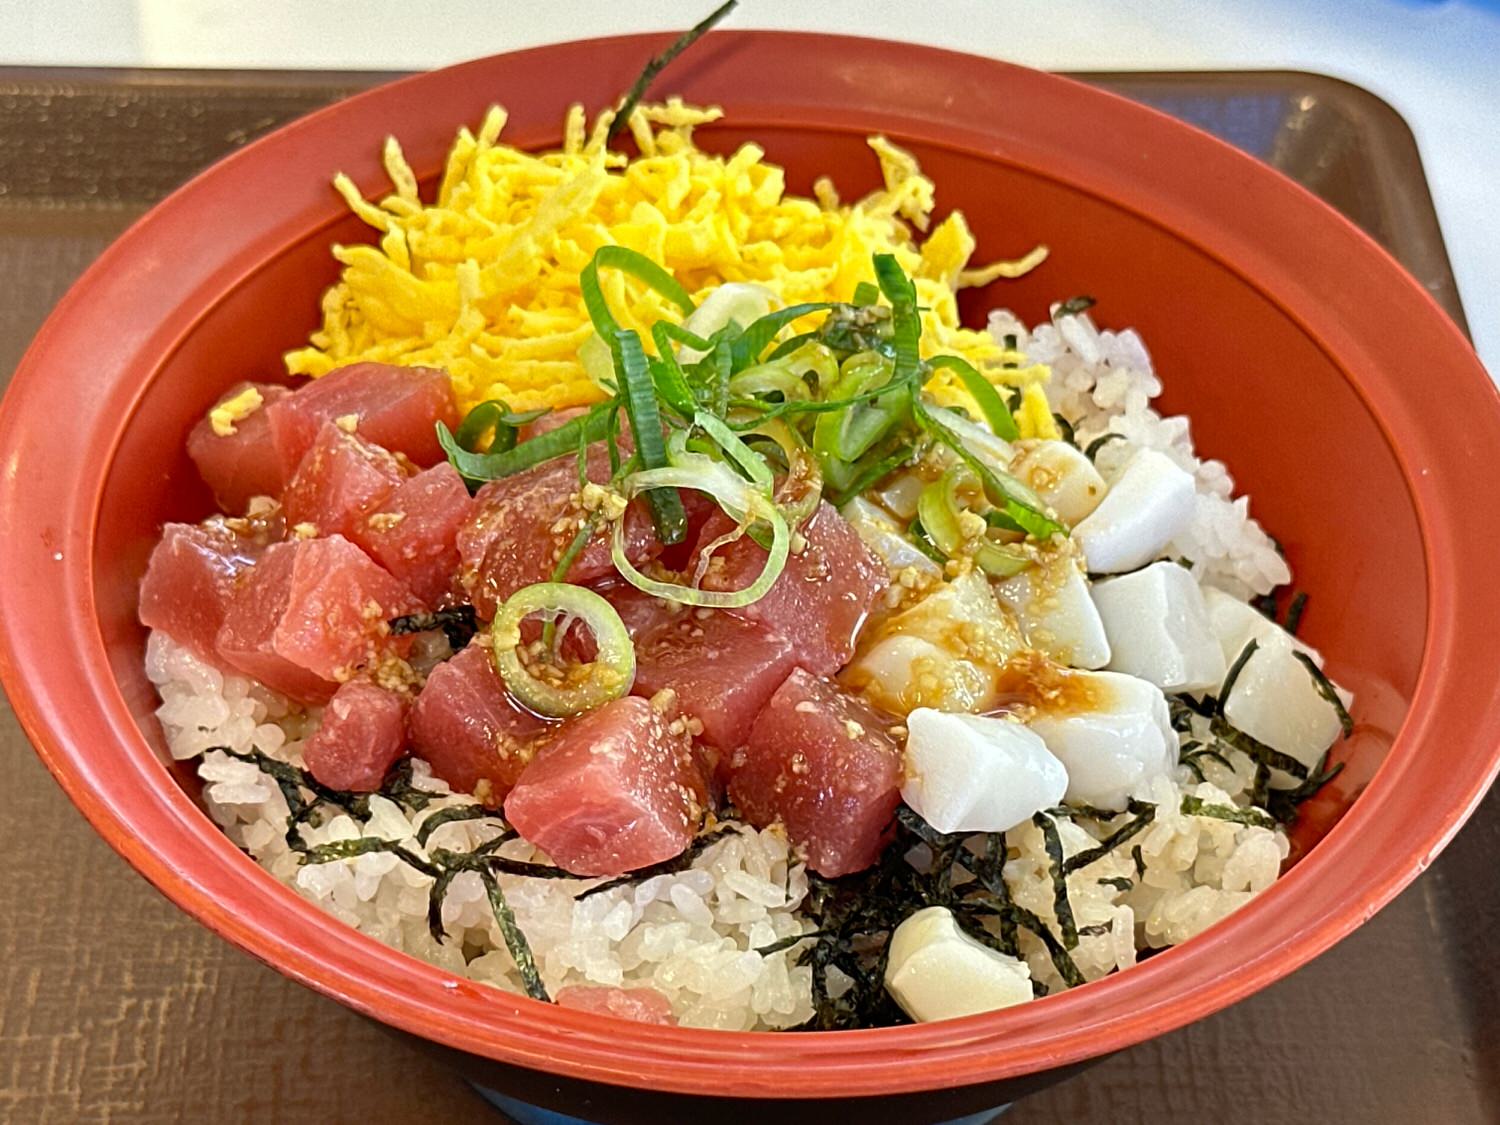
52 641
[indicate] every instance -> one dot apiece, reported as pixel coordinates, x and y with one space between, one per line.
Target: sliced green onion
759 334
866 293
666 373
876 467
1013 498
769 378
939 509
997 415
479 467
638 266
493 417
839 439
667 516
906 326
803 487
611 673
741 501
736 450
792 343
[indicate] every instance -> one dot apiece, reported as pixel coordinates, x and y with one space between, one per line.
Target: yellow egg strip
483 281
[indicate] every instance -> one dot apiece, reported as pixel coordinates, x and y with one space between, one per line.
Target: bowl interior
1262 396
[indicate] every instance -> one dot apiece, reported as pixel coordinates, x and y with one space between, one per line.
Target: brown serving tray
115 1006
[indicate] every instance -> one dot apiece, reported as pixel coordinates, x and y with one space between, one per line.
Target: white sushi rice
694 935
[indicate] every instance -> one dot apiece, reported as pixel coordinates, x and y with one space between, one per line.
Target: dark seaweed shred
1092 450
659 63
1074 305
1284 804
668 866
1234 672
1119 883
1327 691
1142 813
459 623
1062 907
1254 818
1294 612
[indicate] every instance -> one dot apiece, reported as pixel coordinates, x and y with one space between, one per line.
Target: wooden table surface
116 1007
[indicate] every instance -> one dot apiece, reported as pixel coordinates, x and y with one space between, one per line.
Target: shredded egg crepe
483 282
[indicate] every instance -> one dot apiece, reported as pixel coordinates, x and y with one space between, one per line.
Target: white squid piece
1062 476
1148 505
969 773
1118 740
938 972
1159 628
881 533
1053 607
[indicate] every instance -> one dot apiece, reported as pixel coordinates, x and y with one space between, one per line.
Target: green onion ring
610 675
740 501
938 508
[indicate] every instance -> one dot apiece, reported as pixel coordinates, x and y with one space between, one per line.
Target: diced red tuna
362 735
721 668
310 614
466 727
413 533
611 791
639 612
193 573
396 407
822 596
341 480
640 1003
244 463
521 525
822 764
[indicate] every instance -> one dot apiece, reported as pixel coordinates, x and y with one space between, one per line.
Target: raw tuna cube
342 479
721 668
397 408
310 614
413 534
642 1003
468 730
244 463
822 596
822 764
612 791
193 573
521 525
362 735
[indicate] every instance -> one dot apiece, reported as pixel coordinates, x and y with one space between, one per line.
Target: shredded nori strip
659 63
1142 813
1295 611
1095 930
1254 818
1265 605
1256 750
668 866
1092 451
1082 809
1119 883
1069 435
1140 860
1260 786
1062 908
1075 305
1234 672
448 816
1327 691
515 940
1283 804
458 623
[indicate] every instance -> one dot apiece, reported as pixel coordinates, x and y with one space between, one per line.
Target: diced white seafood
938 972
1147 506
1159 629
1062 476
1052 605
1118 738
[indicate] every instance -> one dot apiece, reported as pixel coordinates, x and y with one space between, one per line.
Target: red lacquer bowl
1340 395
